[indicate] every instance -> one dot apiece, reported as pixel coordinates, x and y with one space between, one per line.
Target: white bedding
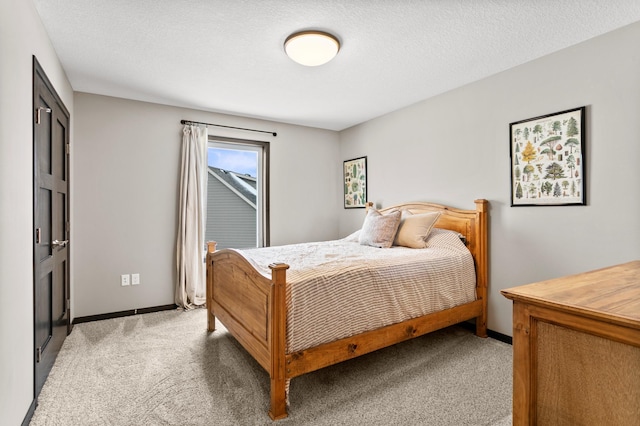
337 289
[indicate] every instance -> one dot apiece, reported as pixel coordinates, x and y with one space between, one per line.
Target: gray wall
125 194
454 148
21 36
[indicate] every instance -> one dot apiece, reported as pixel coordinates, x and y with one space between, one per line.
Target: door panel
61 160
43 326
43 220
51 225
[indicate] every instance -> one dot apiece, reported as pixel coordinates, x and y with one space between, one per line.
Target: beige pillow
414 229
379 230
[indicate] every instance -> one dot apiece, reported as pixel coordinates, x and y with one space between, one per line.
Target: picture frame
355 183
548 161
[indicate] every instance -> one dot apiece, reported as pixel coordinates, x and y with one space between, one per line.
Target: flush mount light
311 48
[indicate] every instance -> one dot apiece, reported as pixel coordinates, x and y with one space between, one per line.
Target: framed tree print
355 183
548 160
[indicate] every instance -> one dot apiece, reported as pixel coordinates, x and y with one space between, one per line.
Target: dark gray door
51 224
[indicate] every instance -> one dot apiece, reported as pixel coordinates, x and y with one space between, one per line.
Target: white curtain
191 286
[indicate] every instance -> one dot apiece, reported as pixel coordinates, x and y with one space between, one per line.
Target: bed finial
368 205
482 205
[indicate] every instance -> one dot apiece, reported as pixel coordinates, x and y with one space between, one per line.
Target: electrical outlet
124 280
135 279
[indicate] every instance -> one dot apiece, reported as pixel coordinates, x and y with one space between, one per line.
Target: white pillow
414 230
379 230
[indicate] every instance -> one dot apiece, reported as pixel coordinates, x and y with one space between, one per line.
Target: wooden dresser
576 349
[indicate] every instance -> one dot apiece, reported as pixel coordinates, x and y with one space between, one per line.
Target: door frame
39 74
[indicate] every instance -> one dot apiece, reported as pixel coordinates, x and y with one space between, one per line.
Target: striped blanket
337 289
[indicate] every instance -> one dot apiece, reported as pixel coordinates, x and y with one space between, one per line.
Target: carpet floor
164 369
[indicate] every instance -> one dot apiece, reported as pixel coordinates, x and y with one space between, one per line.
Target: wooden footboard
253 307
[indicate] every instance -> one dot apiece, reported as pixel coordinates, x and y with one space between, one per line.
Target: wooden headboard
472 224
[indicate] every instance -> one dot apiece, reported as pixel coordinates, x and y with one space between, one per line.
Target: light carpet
164 369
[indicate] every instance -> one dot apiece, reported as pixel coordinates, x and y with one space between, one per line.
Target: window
237 193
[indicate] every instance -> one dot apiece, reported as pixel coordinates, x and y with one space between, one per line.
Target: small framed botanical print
355 183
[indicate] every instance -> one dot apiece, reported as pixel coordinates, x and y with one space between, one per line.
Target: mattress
336 289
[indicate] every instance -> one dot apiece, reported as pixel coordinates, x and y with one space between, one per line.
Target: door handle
61 244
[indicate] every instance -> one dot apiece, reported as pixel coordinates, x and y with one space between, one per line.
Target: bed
253 302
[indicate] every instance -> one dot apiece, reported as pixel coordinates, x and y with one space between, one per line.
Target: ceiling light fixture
311 48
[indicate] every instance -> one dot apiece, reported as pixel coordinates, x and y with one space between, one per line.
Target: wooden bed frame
253 309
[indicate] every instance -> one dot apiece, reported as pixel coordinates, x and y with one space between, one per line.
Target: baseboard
493 334
89 318
469 325
499 336
32 409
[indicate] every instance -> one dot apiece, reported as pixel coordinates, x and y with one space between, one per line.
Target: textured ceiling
227 55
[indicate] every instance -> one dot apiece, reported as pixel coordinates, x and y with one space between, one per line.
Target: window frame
262 179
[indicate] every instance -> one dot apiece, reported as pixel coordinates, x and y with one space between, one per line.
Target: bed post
481 248
211 319
277 339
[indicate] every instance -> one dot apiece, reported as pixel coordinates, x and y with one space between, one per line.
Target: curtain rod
228 127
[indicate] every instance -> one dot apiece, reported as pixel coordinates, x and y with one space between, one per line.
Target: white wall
126 160
454 148
21 36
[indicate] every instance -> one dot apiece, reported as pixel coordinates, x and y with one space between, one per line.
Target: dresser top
611 293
